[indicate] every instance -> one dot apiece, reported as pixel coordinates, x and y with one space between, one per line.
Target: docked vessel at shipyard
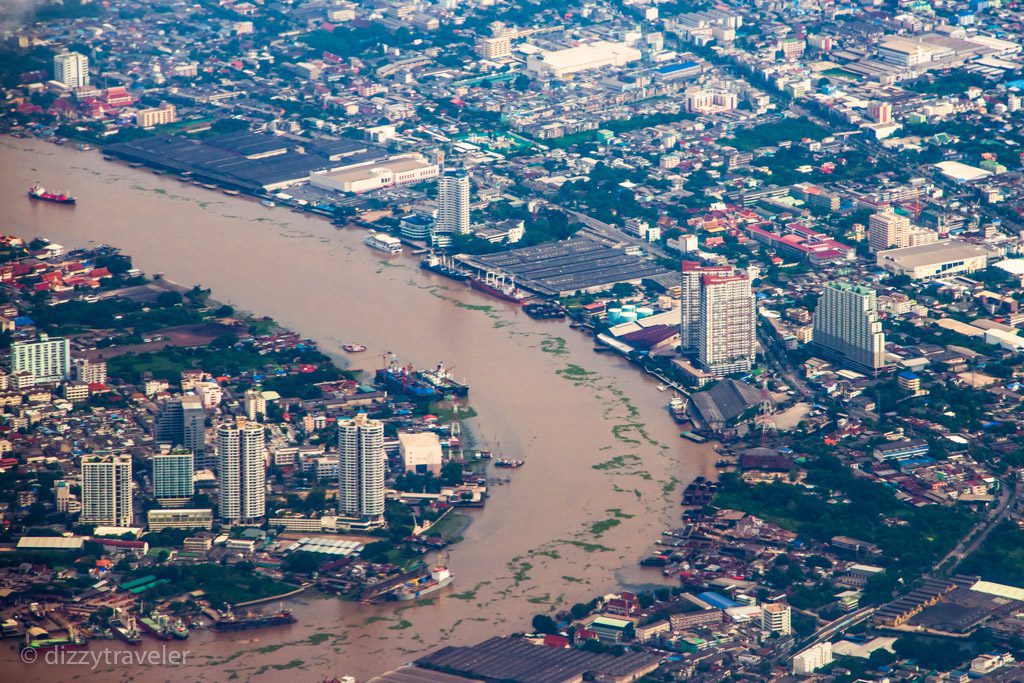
444 381
420 384
443 266
125 630
438 578
677 408
385 243
73 641
163 627
233 623
39 192
498 286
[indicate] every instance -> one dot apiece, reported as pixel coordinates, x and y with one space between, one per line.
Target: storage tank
644 312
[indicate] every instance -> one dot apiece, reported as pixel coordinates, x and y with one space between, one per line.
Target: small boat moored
353 348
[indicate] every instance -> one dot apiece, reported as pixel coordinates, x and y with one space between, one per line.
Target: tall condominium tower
888 230
71 69
728 333
107 490
690 311
241 472
453 203
173 484
361 464
47 360
847 329
182 422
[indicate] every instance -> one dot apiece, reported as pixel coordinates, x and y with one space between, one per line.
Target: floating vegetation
553 345
589 547
617 462
598 528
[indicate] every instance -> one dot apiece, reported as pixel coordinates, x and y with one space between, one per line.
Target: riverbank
594 432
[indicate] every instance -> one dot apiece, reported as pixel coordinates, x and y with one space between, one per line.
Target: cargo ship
163 627
438 578
73 641
498 286
385 243
405 380
39 192
442 266
126 631
443 380
233 623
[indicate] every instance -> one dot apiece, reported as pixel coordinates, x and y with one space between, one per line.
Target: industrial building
560 64
946 257
375 175
252 162
566 267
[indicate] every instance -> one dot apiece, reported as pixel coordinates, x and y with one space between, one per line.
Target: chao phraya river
595 434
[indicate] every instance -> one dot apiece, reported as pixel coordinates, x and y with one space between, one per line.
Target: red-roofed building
118 97
556 641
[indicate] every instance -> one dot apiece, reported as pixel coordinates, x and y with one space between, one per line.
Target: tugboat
39 192
497 286
438 578
508 463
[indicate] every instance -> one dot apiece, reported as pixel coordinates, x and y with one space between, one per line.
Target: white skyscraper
71 69
888 230
47 360
453 203
361 465
847 329
689 305
727 340
242 472
107 490
173 477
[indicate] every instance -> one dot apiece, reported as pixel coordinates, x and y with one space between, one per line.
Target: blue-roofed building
717 600
24 321
909 381
678 70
